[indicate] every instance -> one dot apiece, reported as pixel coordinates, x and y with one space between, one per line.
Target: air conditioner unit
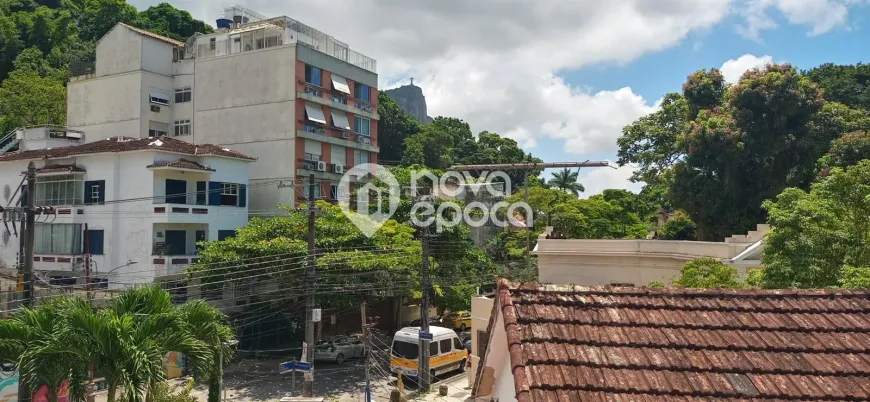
155 109
321 166
338 168
366 141
345 134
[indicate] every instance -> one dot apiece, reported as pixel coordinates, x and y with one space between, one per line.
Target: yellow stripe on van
434 362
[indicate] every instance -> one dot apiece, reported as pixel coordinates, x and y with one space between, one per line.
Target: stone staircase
750 237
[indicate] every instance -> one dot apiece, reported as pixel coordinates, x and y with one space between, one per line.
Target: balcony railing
361 105
77 68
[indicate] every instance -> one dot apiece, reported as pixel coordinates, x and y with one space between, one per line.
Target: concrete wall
157 82
128 226
481 310
107 106
637 262
119 51
156 56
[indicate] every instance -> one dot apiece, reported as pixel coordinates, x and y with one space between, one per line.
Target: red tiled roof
181 164
153 35
126 144
636 344
60 168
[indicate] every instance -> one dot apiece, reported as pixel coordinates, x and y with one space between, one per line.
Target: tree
209 325
653 141
566 180
847 150
100 16
847 84
762 139
164 19
679 227
817 233
394 127
704 90
708 273
27 99
431 148
855 278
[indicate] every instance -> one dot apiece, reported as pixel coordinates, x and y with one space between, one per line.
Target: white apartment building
295 98
144 203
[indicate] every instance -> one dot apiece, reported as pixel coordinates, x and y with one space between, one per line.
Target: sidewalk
457 391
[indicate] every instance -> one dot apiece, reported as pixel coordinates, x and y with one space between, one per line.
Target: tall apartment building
295 98
144 203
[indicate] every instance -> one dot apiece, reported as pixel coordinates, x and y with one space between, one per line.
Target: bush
708 272
679 227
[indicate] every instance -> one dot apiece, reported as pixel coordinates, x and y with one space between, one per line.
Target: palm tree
209 325
34 339
566 180
128 340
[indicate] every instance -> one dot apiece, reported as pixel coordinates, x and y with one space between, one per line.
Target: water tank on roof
224 23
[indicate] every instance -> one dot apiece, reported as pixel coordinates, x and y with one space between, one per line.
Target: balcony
314 93
174 246
335 136
172 265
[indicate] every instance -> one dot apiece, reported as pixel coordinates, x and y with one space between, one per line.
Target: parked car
340 349
432 321
460 320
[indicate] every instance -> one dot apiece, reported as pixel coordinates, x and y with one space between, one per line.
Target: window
433 348
200 237
176 191
67 189
316 191
159 98
211 43
360 157
446 345
201 193
183 94
229 194
176 242
339 99
313 75
333 192
363 126
226 234
405 350
314 113
157 129
312 157
58 238
95 192
182 127
362 92
95 242
457 344
339 84
339 120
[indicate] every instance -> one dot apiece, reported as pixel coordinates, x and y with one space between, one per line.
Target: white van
446 351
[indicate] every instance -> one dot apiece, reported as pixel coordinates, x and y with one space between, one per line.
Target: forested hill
39 39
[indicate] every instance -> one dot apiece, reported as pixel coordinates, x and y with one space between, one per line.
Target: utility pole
423 363
29 237
308 384
89 388
367 361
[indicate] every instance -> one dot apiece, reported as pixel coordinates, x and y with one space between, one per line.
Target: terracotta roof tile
181 164
60 168
126 144
572 343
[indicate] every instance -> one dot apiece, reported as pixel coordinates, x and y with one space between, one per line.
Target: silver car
339 349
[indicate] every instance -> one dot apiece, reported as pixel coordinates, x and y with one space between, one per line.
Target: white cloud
733 69
600 179
820 15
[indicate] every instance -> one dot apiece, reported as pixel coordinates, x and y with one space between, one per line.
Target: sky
563 77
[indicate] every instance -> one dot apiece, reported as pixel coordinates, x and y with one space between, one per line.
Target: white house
145 203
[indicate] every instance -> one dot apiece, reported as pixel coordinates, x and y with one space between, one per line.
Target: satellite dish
7 192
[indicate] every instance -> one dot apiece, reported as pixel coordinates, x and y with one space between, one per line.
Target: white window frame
230 189
157 97
356 126
58 238
184 91
95 192
181 127
65 189
155 132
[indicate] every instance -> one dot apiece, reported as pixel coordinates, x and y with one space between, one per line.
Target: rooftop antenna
412 81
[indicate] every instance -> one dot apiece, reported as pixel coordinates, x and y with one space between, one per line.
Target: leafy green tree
708 273
855 278
431 148
847 150
98 17
704 90
164 19
653 141
394 127
817 233
209 325
27 99
761 140
631 202
847 84
566 180
679 227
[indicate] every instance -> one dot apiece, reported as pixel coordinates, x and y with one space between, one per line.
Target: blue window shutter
95 242
214 193
243 195
102 184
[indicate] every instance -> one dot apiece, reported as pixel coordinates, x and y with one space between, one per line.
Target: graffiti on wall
9 387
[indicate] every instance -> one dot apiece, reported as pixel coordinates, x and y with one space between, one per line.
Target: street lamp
129 263
221 357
